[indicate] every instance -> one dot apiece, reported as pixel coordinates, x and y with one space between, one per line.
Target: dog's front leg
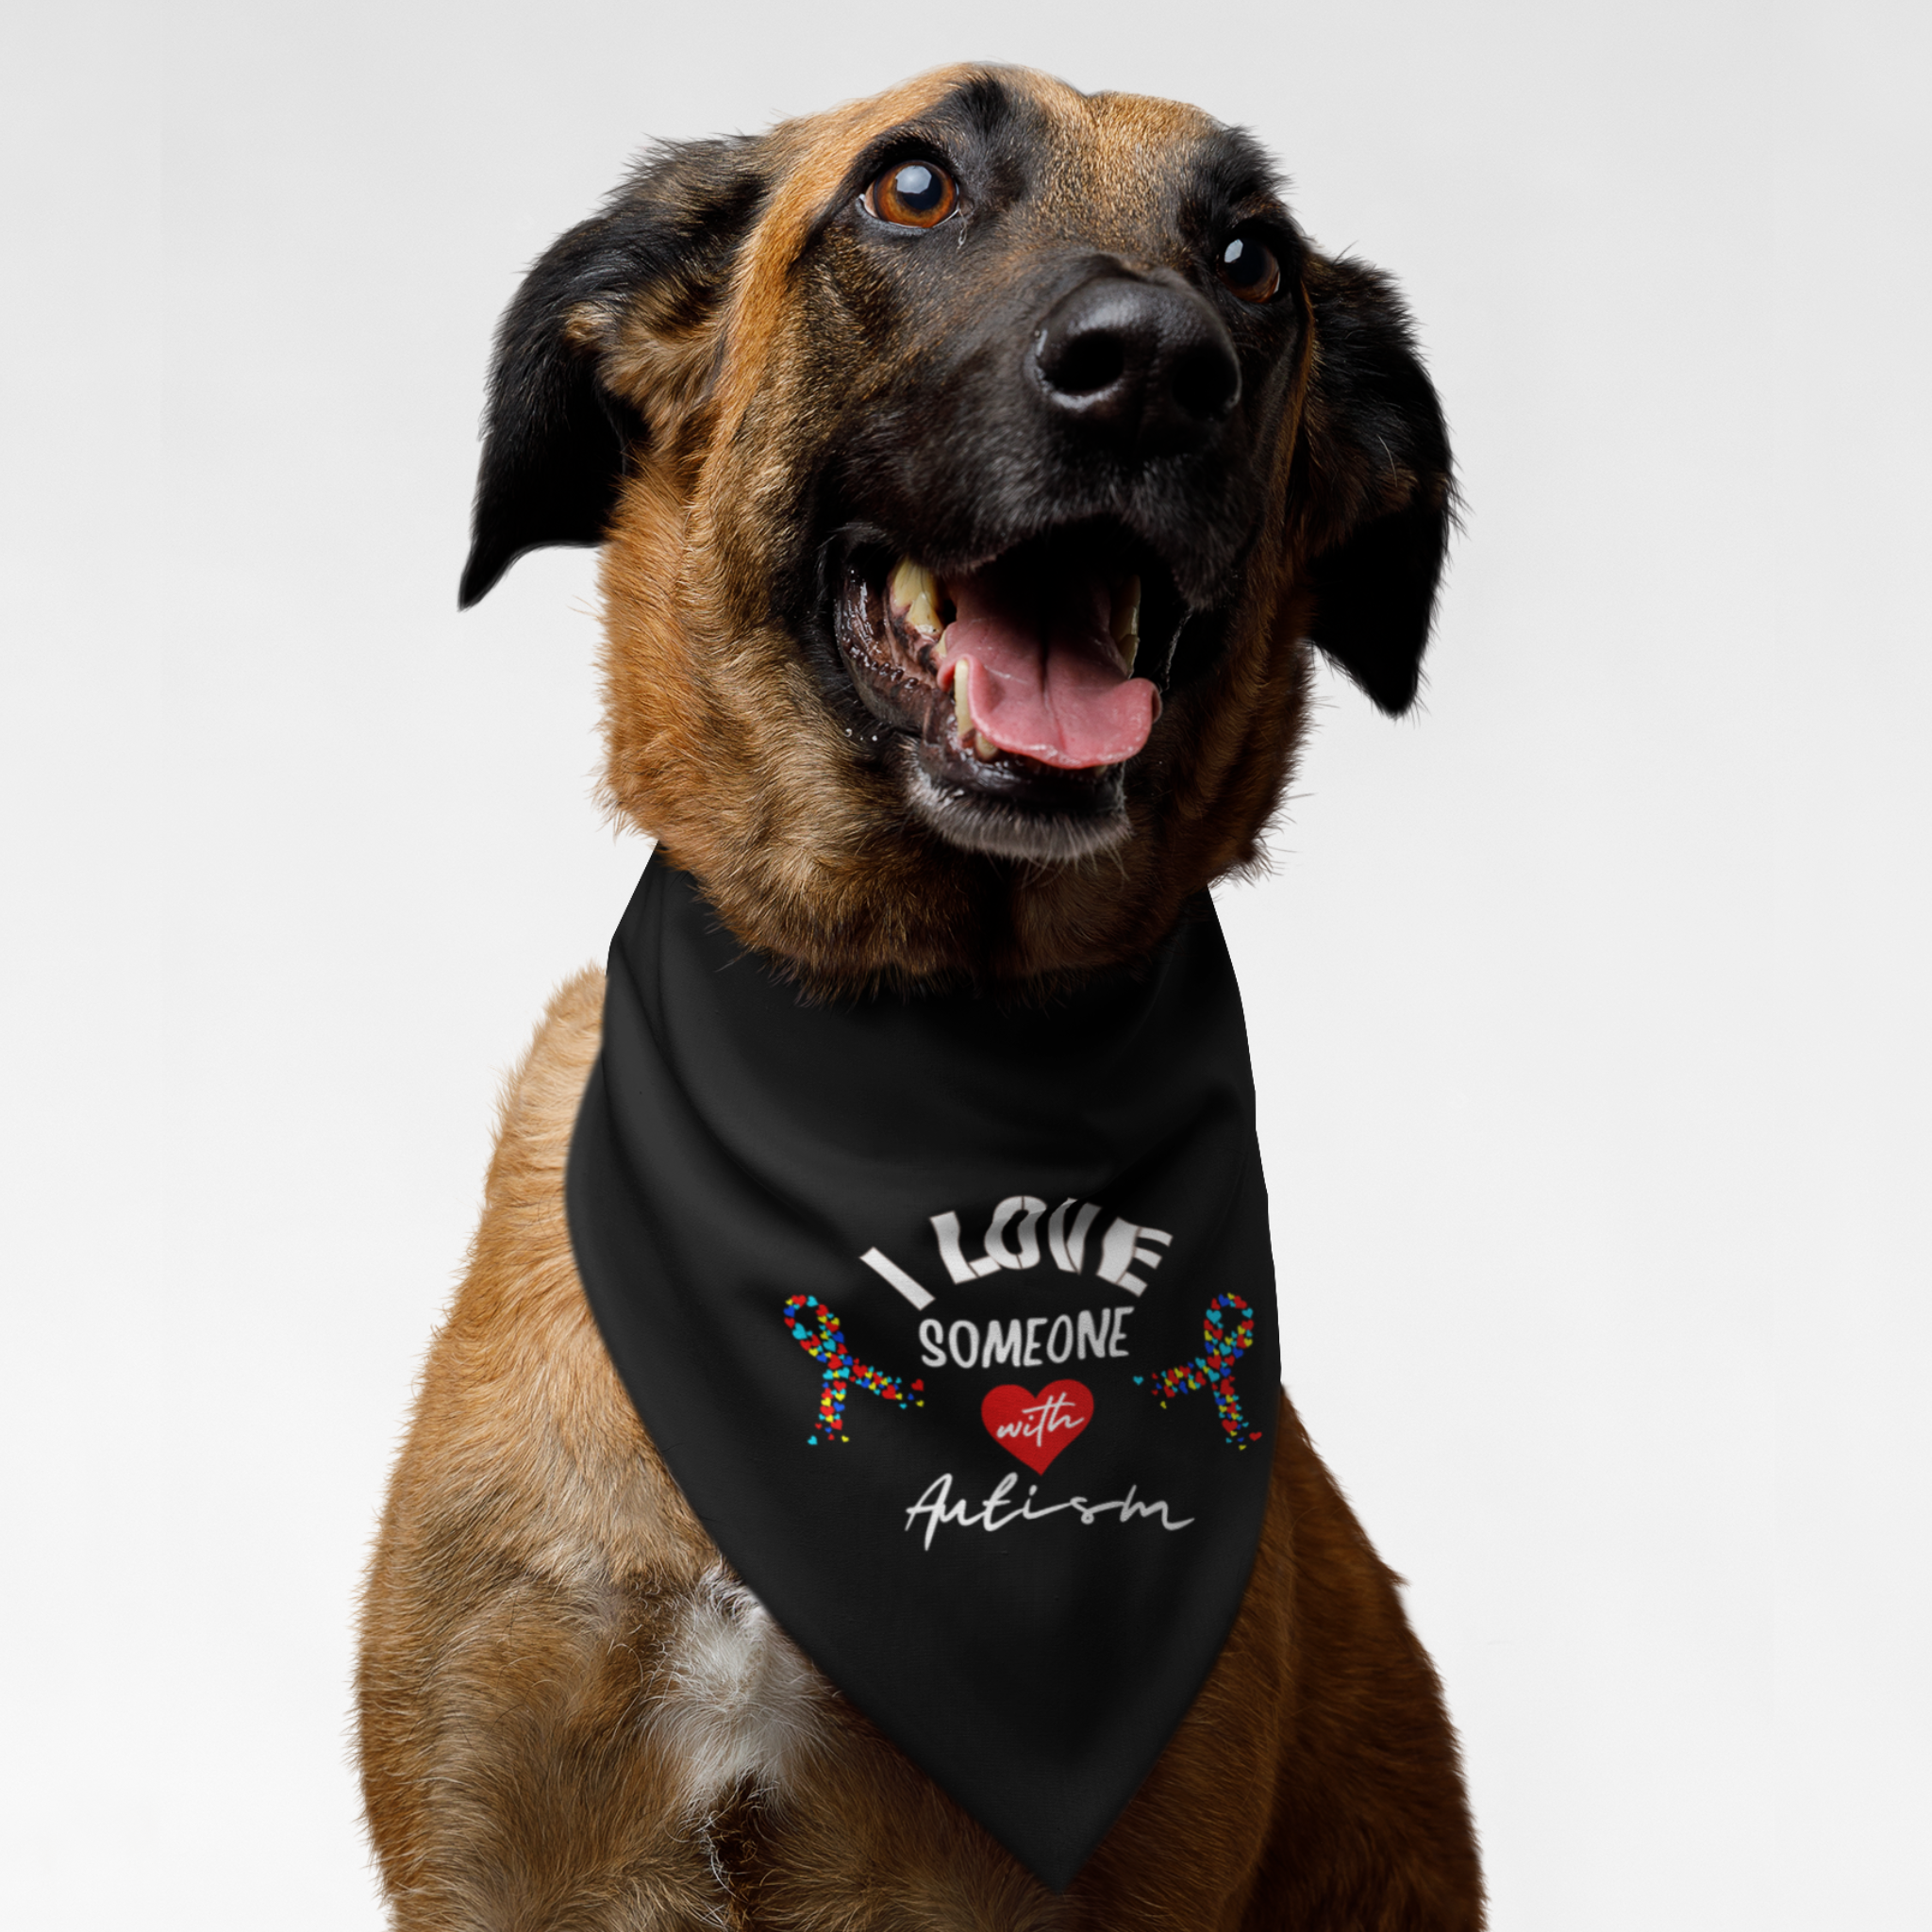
513 1774
540 1595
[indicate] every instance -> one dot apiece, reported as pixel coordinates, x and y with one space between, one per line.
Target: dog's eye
915 194
1248 266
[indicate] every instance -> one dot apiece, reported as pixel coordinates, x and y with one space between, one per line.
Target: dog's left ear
562 423
1381 494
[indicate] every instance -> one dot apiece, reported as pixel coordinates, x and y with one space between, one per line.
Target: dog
981 337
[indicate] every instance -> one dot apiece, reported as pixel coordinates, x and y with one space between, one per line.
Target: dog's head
975 466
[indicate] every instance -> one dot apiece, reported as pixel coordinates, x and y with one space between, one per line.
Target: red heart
1037 1427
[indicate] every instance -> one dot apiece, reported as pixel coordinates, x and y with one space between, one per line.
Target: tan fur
572 1714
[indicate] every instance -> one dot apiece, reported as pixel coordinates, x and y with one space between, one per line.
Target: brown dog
981 337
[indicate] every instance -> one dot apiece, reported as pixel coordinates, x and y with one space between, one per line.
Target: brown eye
915 194
1248 266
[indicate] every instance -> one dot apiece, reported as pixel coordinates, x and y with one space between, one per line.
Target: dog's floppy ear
557 435
1382 492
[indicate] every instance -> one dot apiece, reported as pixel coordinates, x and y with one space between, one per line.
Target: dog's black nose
1144 365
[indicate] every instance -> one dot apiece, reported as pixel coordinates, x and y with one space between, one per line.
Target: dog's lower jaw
1000 830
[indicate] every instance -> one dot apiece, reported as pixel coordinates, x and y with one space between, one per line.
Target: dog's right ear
559 435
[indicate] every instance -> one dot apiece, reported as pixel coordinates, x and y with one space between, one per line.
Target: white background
1588 1005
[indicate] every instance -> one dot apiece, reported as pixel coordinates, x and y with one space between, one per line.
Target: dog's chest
736 1704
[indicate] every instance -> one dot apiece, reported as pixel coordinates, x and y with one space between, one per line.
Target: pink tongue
1043 677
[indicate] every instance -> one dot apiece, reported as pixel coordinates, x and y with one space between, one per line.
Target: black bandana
955 1324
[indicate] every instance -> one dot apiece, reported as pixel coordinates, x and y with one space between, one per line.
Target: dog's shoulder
539 1098
523 1433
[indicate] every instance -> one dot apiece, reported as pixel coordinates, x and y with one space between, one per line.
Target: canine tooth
913 589
962 709
983 747
1126 619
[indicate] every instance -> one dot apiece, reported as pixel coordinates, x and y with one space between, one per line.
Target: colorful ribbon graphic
826 1345
1226 1342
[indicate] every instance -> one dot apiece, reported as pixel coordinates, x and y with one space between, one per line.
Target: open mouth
1017 690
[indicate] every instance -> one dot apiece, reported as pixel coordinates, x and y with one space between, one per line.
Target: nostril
1206 382
1084 365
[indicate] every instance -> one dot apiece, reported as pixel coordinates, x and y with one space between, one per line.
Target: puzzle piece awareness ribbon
825 1341
1227 1341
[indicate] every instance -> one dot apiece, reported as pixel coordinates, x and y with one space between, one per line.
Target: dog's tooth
962 709
1126 619
983 747
914 589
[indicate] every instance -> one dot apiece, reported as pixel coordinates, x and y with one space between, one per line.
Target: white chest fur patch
736 1699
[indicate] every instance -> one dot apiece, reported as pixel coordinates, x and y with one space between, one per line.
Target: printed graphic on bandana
1035 1426
818 1331
1226 1335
